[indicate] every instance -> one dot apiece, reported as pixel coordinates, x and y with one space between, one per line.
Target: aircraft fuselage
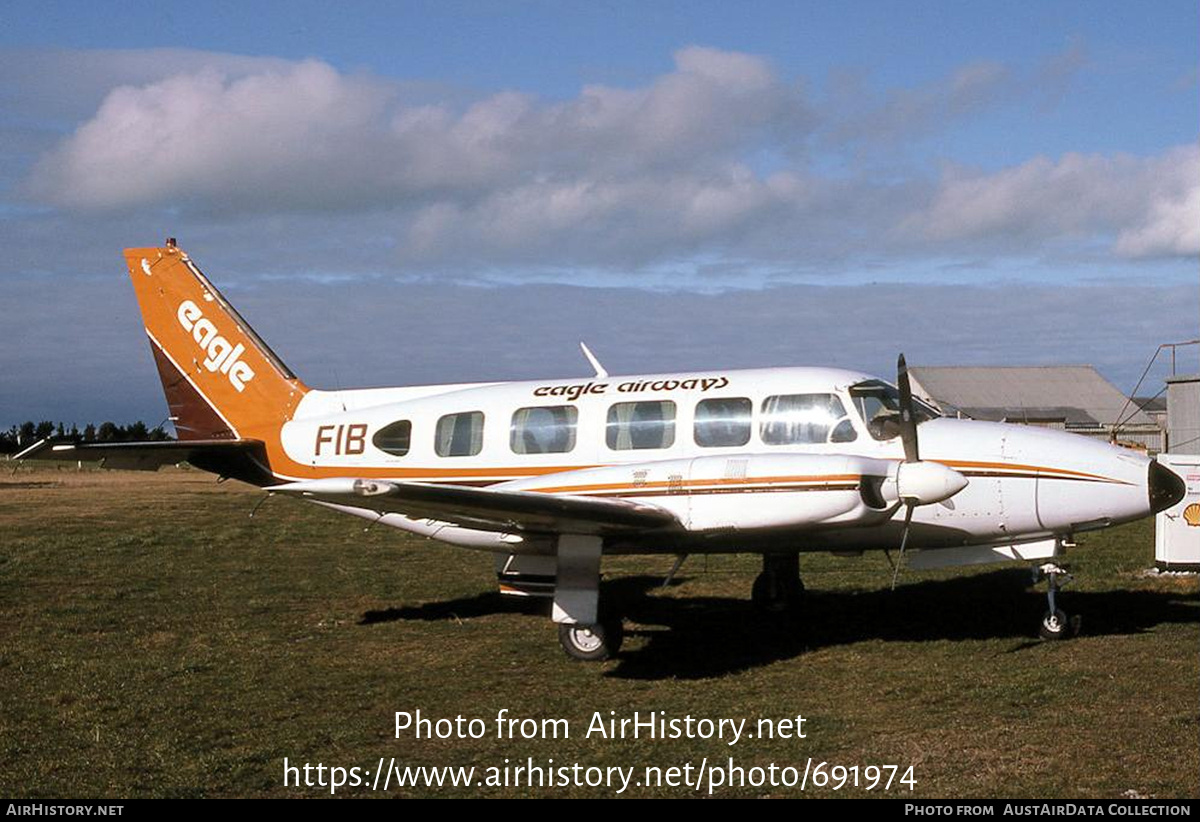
738 456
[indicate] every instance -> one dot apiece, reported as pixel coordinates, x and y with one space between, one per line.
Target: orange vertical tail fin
221 380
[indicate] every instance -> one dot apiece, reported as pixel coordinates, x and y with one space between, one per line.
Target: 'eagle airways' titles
574 392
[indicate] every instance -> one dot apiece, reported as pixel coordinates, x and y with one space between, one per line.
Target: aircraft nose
1166 487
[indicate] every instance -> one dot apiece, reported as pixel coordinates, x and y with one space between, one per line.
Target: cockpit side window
796 419
878 403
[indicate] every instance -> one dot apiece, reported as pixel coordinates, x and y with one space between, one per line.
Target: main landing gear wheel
778 589
591 643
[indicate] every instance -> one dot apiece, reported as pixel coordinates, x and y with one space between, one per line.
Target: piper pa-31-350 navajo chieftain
551 475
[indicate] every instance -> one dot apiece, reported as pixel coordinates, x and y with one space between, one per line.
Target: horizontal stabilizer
488 509
240 459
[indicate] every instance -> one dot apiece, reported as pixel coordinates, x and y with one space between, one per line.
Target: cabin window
394 438
546 430
722 422
798 419
459 435
637 425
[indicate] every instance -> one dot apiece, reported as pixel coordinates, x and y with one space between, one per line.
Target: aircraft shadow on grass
702 637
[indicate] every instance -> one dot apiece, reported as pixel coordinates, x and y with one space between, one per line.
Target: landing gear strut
1055 624
778 589
586 631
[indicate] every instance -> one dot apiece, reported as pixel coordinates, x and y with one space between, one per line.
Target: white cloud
306 137
709 158
597 220
1147 206
206 136
1172 227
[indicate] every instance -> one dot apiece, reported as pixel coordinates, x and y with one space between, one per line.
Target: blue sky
1033 166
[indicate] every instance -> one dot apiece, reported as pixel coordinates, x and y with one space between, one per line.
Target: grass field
157 641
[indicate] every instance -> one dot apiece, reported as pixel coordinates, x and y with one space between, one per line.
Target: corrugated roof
1033 414
1075 393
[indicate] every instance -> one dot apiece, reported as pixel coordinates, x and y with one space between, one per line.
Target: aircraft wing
147 456
488 509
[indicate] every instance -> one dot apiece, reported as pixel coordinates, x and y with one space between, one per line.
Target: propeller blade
908 421
903 542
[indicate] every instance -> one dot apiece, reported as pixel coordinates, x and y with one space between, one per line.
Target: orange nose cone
1165 487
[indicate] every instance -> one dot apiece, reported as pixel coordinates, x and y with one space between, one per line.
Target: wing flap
488 509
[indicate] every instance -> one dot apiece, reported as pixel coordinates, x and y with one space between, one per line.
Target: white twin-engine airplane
550 476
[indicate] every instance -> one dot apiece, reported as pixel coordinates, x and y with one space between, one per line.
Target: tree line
22 436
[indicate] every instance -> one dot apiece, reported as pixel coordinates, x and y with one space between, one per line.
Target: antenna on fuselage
601 373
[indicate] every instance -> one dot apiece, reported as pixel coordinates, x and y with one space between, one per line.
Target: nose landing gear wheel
1054 625
591 643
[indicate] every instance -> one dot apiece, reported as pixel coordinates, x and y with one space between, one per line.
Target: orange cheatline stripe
1010 466
417 474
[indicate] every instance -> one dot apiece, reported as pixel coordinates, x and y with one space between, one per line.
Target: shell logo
1191 514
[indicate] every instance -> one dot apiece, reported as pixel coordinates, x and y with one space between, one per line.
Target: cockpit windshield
879 404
